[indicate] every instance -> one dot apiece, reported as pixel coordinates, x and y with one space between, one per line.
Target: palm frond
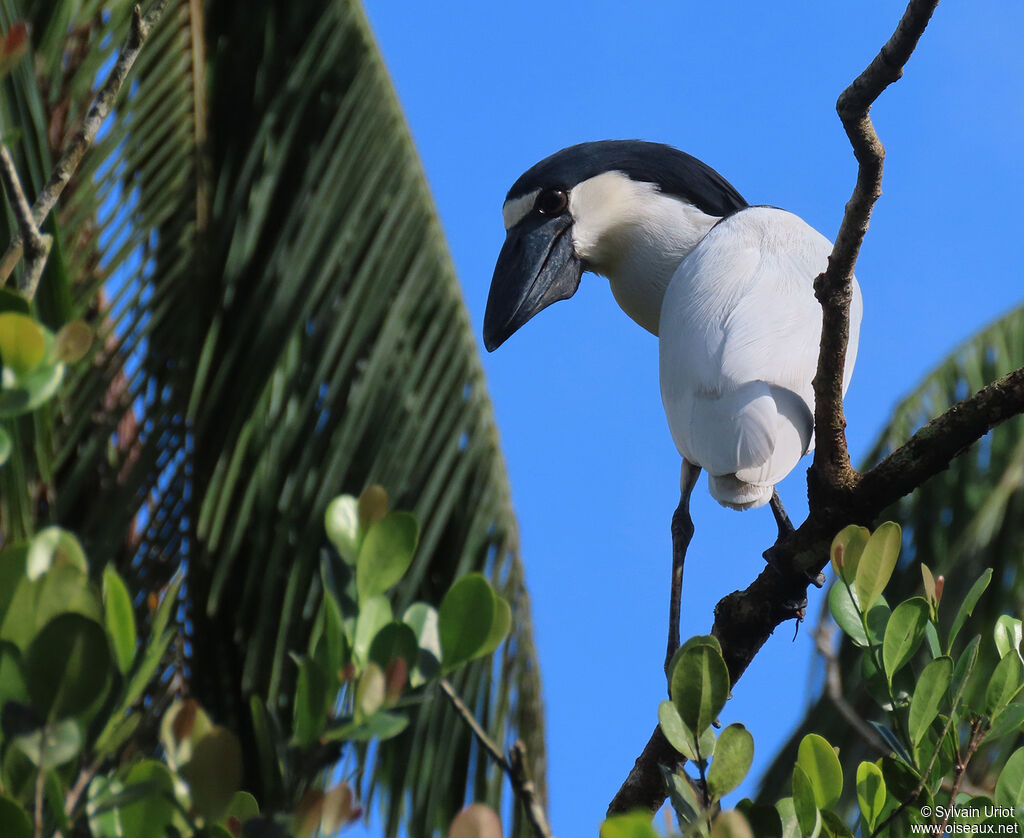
279 322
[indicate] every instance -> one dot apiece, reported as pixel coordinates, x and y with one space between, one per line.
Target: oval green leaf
119 617
680 736
877 562
819 761
904 633
14 821
52 547
699 687
870 792
847 548
374 614
928 696
1007 634
632 825
22 342
341 521
67 666
386 553
967 606
5 446
1004 684
214 773
734 753
1010 785
465 619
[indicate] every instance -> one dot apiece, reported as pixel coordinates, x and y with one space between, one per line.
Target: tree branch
837 494
69 159
514 766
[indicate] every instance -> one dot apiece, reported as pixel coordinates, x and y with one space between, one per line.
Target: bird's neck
636 236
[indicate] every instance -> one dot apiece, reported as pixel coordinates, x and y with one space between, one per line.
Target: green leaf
928 583
374 614
67 666
787 816
904 633
423 620
1004 684
120 618
847 617
804 807
877 563
167 607
466 619
242 806
847 548
51 745
821 765
475 821
52 547
681 795
1010 785
393 641
30 390
147 813
381 725
681 737
22 342
5 446
14 821
870 792
214 773
341 520
963 670
929 693
1007 634
631 825
370 692
699 686
386 553
734 753
967 606
1009 721
832 826
309 711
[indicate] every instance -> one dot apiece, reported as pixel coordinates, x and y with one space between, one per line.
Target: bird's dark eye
551 202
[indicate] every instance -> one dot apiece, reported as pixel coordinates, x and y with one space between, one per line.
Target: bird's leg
781 518
785 528
682 532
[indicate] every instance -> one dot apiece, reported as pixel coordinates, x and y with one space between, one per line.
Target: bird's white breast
739 334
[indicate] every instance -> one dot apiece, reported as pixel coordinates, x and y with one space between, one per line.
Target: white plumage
739 333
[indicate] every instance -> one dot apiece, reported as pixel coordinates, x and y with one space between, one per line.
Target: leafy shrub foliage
942 695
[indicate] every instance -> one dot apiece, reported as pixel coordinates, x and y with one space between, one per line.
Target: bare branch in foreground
514 767
73 154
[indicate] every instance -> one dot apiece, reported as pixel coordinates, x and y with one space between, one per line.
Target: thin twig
978 731
514 766
37 246
831 471
80 142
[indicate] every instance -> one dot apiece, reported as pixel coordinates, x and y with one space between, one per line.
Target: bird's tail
730 491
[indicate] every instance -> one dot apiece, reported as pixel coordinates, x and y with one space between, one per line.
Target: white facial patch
635 235
516 209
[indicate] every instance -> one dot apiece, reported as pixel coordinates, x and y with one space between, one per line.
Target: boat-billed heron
726 287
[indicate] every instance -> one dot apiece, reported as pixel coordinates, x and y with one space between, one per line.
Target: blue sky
489 89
